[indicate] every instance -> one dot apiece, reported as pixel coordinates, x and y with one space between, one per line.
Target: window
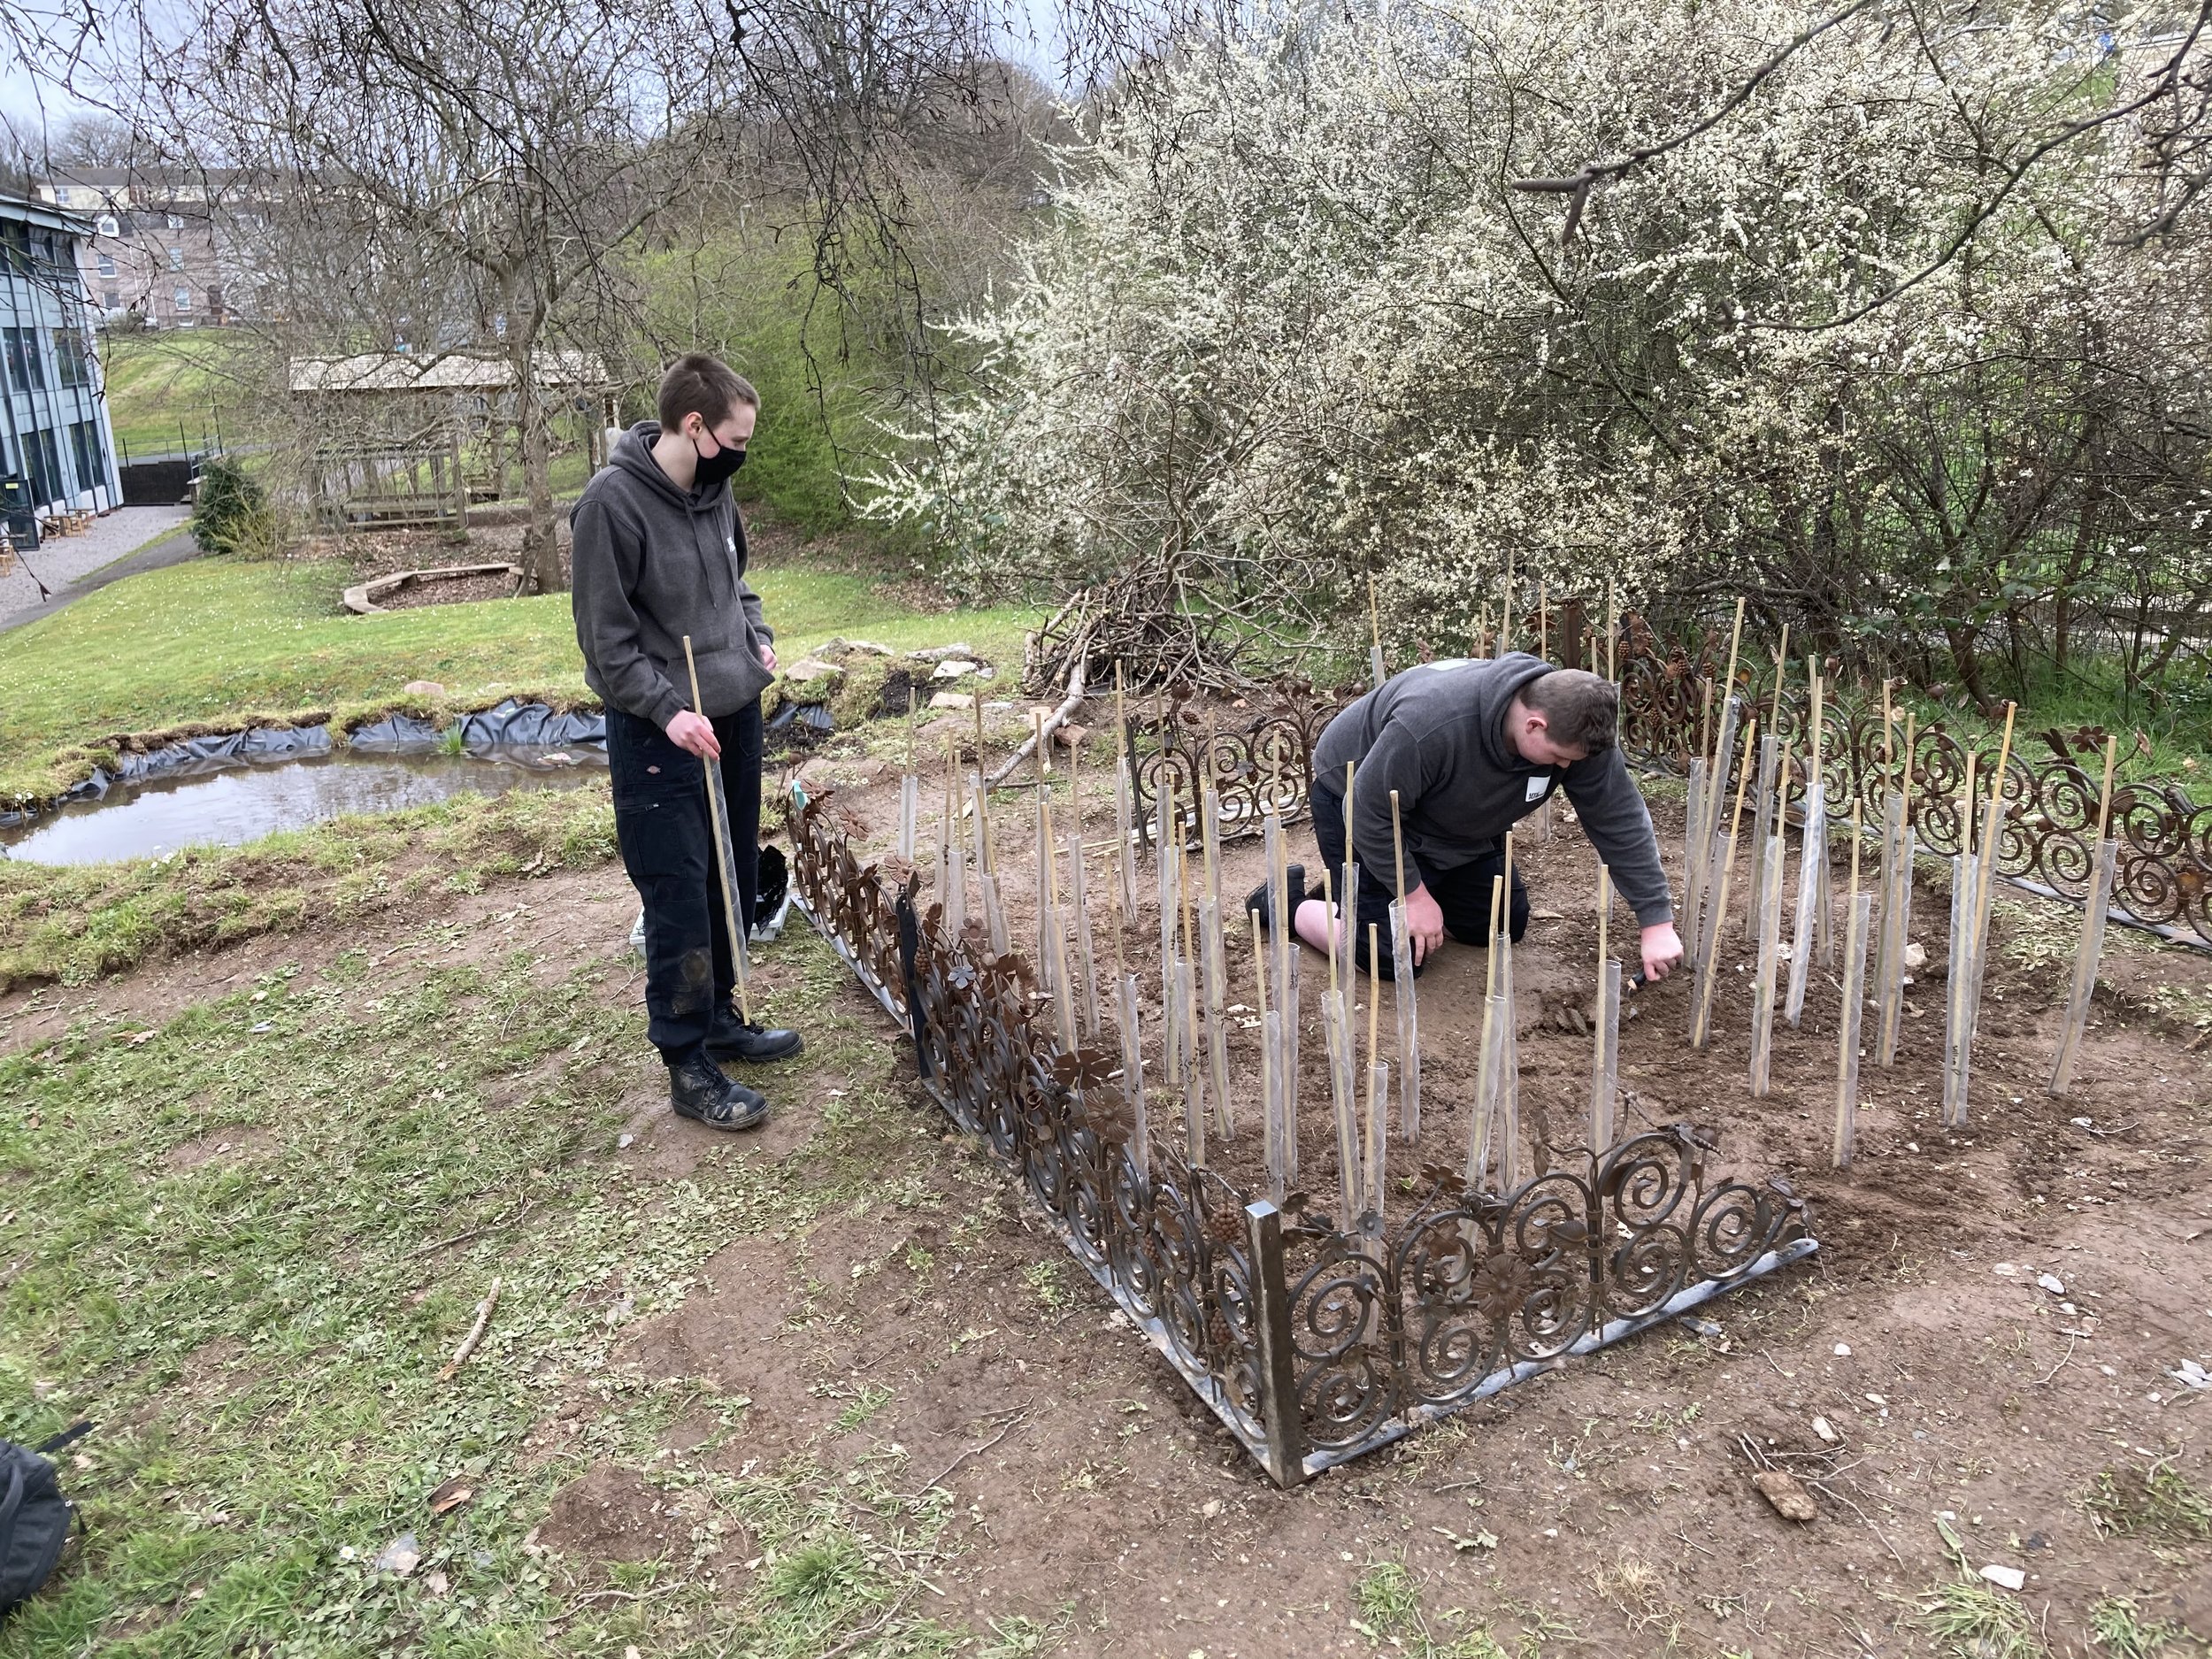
26 365
42 461
111 300
176 259
176 222
107 265
107 226
89 454
215 301
184 302
71 358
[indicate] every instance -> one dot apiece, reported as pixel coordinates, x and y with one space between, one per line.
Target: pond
241 804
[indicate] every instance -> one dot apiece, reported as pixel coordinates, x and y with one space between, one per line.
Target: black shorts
1462 892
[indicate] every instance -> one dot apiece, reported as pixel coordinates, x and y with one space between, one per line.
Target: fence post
1271 1319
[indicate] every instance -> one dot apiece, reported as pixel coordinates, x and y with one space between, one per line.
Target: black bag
35 1517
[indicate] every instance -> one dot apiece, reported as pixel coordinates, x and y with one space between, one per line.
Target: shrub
233 514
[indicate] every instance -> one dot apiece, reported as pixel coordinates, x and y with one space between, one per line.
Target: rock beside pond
423 688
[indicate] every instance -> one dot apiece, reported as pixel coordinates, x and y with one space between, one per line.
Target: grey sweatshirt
1436 734
650 564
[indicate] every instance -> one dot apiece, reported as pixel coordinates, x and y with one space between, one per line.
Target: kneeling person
1472 747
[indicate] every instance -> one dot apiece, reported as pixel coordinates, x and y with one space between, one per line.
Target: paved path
125 543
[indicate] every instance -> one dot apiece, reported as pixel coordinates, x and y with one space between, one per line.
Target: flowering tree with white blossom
1894 319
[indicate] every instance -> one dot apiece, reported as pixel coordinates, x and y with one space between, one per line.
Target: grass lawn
214 640
248 1234
160 378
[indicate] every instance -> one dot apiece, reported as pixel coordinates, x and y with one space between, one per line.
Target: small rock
2052 1282
1790 1500
1843 1350
399 1557
2004 1270
941 653
623 1140
2192 1373
953 668
1210 1508
952 699
423 688
1067 733
1916 956
1878 1400
811 668
2005 1578
1827 1431
560 757
1702 1327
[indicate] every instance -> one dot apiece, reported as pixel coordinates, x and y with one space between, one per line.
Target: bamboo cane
955 893
1701 1015
725 861
2094 916
1403 970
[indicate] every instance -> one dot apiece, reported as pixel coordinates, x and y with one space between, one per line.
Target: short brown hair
696 384
1582 709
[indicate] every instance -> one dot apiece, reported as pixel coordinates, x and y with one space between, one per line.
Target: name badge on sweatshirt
1539 787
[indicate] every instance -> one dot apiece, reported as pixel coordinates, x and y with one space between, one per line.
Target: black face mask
716 469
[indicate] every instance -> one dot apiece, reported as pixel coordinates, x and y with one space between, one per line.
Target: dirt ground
1608 1506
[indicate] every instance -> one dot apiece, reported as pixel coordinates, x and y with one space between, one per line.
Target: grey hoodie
1436 734
650 564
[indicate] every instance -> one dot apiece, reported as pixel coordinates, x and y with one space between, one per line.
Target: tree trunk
541 568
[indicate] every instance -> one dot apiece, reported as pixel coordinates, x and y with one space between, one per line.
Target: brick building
167 249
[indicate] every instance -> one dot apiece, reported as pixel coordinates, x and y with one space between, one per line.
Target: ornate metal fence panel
2163 881
1310 1346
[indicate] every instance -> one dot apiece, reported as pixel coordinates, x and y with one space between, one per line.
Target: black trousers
667 840
1462 892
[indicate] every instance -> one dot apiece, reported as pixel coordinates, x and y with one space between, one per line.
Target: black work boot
698 1091
1259 896
730 1038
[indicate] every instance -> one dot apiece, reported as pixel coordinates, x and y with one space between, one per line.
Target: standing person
658 554
1472 747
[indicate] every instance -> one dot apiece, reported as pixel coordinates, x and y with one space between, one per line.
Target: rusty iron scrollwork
1271 1315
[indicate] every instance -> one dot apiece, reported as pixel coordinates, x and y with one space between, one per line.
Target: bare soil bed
1617 1491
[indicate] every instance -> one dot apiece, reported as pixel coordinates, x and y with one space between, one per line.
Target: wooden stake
1270 1087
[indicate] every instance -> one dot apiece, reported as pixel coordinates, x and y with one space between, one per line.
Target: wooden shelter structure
409 438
